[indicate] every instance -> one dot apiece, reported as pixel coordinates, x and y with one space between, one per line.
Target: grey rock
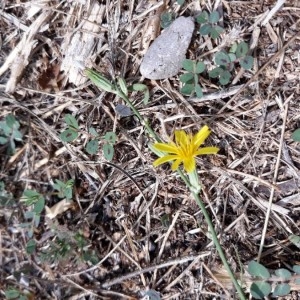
165 56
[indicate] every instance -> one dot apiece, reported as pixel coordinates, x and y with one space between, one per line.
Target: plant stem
218 246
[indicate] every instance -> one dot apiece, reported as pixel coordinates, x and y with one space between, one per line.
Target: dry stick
263 236
259 72
153 268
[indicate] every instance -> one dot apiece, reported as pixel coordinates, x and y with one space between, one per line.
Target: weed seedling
9 133
71 133
190 79
208 24
64 189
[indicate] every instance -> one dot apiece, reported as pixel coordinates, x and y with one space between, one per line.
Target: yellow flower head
185 149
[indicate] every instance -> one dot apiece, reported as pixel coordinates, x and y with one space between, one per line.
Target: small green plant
226 61
14 294
190 79
9 133
36 203
64 189
71 133
261 286
6 198
108 148
208 24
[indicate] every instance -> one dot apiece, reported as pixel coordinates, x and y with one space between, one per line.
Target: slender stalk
218 246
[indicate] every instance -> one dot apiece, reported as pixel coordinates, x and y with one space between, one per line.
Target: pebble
164 57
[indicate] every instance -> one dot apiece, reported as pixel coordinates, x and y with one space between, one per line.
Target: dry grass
119 206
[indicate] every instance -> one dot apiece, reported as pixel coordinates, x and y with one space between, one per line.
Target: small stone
165 56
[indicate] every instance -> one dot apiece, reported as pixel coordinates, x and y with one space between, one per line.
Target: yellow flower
185 149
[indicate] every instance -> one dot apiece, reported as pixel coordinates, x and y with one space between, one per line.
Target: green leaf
188 89
30 197
198 90
17 135
222 59
180 2
214 17
233 47
241 49
259 290
12 294
296 135
108 151
3 140
5 128
139 87
225 77
247 62
92 147
189 65
71 121
202 18
30 246
281 289
39 205
232 57
11 121
205 29
187 77
93 132
200 67
216 72
165 19
216 31
283 273
258 270
68 135
296 269
123 86
110 137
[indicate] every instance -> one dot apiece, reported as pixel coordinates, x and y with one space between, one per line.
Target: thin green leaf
283 273
189 65
205 29
71 121
202 18
281 289
123 86
30 246
188 89
200 67
187 77
247 62
110 137
242 49
68 135
92 147
259 290
258 270
222 59
139 87
296 135
214 17
108 151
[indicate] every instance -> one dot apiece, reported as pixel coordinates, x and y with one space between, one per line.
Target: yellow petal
164 159
176 164
189 165
207 150
201 136
170 148
181 138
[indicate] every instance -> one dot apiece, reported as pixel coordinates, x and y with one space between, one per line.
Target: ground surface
129 227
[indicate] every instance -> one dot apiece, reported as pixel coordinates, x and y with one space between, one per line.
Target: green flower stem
218 246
